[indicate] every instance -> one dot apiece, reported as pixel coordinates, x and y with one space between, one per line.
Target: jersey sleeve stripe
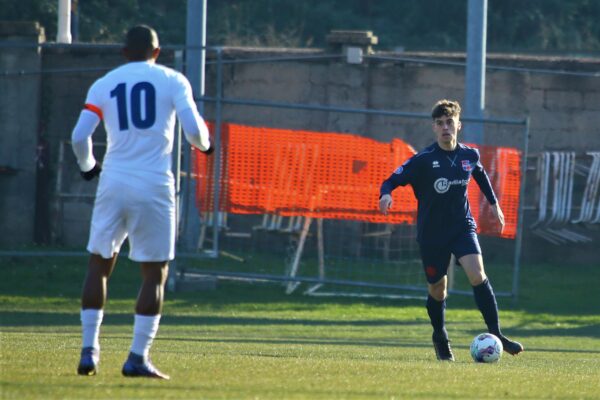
94 109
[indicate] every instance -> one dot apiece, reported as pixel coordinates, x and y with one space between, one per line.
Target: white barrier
557 191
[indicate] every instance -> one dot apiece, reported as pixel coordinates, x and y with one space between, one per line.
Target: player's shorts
146 217
437 258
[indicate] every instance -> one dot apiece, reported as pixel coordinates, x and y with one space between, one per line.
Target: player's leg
151 226
107 233
482 290
436 305
93 298
93 294
435 263
148 311
472 263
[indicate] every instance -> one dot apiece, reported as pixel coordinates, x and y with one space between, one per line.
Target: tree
513 25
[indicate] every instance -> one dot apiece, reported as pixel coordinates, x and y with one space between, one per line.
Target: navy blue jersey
439 179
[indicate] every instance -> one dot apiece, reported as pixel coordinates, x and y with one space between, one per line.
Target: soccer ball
486 348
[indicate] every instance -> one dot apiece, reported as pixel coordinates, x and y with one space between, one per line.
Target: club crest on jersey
399 170
466 165
435 164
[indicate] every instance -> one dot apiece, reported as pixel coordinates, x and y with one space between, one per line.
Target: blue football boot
88 363
136 365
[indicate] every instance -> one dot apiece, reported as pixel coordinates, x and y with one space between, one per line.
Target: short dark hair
448 108
140 41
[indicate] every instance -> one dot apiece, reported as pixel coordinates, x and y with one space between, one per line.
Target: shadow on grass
351 342
24 319
590 330
18 318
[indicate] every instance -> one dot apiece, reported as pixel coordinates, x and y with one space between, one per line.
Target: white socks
144 331
90 326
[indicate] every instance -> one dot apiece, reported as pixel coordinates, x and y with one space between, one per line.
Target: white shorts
146 216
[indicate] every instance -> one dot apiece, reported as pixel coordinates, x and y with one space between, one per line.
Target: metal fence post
217 153
520 222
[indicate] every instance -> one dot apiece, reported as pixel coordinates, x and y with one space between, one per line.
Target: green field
247 341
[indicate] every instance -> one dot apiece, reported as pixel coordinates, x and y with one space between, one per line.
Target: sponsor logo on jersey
442 185
466 165
435 164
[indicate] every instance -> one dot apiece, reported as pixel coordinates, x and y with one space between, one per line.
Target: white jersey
137 102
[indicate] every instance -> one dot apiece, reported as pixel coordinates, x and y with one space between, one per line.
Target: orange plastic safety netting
332 175
503 165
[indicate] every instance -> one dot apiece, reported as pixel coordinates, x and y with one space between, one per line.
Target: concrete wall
564 112
20 100
563 109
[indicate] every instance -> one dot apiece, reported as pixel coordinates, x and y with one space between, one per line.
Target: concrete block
352 76
591 100
342 39
354 55
563 99
317 74
77 211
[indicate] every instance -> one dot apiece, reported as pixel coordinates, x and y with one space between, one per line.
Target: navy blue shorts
437 257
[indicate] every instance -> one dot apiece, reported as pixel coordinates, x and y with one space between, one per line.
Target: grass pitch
254 342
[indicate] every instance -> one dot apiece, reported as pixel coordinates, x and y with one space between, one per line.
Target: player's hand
497 211
92 173
210 150
385 203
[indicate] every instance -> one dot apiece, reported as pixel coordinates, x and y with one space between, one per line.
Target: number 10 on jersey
141 93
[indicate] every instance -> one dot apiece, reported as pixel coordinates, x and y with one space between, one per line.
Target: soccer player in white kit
135 197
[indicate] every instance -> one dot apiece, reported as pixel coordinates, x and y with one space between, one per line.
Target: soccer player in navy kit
439 176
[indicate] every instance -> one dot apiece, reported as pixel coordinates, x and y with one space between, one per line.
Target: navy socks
437 312
486 302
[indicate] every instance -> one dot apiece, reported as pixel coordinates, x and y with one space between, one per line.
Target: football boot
137 365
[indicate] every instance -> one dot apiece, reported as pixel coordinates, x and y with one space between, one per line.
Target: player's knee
477 278
164 273
155 272
439 295
438 291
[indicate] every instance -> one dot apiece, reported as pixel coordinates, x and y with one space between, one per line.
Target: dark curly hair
448 108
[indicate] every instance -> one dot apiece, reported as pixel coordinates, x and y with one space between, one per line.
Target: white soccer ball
486 348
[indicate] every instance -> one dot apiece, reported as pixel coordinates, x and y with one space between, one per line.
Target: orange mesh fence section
285 172
503 166
324 175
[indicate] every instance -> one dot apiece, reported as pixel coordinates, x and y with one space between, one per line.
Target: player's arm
402 176
194 127
81 142
483 181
